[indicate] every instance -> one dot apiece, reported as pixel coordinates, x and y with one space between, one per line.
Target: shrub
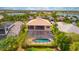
77 23
8 44
74 46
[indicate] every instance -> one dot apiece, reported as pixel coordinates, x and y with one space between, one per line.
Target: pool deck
42 34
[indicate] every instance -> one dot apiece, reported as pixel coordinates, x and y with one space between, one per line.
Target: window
7 29
30 27
47 26
2 31
39 27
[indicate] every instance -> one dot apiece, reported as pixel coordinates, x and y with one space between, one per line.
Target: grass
74 37
77 23
40 49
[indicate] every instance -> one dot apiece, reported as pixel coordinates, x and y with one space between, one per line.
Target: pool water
41 40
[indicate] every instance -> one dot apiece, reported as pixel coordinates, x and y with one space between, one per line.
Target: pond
12 14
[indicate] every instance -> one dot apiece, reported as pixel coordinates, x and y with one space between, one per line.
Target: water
65 14
41 40
12 14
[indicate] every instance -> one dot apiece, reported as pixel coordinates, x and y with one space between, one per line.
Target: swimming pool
41 40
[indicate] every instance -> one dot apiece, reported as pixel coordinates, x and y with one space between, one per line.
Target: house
15 30
10 29
39 28
30 17
5 28
60 18
51 19
68 28
1 17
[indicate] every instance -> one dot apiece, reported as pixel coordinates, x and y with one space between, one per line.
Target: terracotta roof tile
39 21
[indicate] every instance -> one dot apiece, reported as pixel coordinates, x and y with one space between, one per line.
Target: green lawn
40 49
74 37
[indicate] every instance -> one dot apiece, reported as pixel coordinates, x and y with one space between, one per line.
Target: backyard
65 34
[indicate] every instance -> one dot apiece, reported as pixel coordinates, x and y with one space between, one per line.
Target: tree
54 15
77 23
64 42
60 39
8 44
22 37
54 29
67 20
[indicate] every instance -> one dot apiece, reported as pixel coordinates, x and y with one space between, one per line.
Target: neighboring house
15 30
5 28
51 19
69 28
10 29
39 28
60 18
30 17
74 19
1 16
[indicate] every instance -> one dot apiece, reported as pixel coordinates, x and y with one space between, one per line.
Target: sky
41 8
40 3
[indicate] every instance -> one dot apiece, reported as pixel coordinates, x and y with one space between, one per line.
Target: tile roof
39 21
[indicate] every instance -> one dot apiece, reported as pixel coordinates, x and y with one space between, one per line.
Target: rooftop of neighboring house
69 28
15 30
5 24
1 16
4 27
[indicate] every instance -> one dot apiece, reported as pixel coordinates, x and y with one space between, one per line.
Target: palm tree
54 15
60 39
